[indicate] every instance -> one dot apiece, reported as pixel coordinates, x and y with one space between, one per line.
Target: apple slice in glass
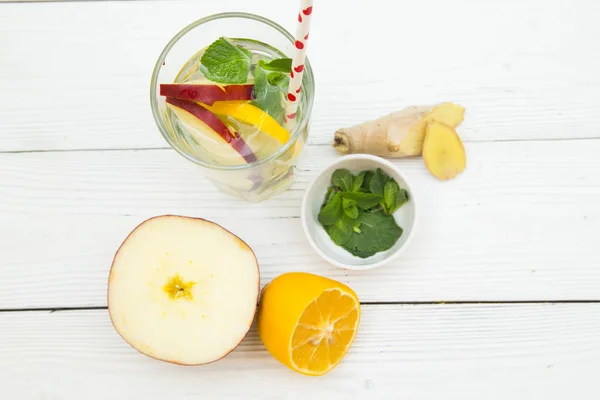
206 93
224 146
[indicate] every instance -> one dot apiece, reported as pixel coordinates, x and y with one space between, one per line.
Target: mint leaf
358 181
350 208
393 197
361 253
341 232
390 190
366 185
364 201
275 78
224 62
277 71
344 224
401 198
332 211
283 65
379 232
339 237
271 80
329 196
378 182
342 178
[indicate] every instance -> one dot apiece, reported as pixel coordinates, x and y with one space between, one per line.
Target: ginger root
396 135
443 152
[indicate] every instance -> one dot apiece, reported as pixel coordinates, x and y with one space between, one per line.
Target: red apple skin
206 94
193 218
210 119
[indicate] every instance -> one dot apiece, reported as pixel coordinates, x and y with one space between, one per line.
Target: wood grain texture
521 223
75 75
415 352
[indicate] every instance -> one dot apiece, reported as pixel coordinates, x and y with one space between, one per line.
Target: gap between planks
160 148
364 303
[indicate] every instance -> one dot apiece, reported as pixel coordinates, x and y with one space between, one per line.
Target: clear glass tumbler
263 178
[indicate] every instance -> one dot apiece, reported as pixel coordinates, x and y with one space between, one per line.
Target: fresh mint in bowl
359 213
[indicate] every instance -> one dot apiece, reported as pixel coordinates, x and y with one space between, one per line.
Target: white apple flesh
213 142
183 290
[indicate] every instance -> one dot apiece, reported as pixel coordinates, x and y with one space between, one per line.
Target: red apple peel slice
206 94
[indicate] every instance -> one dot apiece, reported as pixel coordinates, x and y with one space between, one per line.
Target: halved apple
227 147
183 290
207 94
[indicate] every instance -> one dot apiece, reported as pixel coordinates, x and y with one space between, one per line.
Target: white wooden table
498 296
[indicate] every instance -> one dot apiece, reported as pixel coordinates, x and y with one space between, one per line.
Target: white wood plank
521 223
413 352
75 75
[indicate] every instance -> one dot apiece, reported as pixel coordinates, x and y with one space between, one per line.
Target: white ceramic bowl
314 197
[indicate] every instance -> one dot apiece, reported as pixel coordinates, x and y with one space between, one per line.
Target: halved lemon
308 322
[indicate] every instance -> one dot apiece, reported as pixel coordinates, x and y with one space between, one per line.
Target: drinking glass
265 177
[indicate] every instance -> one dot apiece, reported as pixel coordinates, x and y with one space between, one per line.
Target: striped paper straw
302 32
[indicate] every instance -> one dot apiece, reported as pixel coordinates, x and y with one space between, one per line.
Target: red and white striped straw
302 32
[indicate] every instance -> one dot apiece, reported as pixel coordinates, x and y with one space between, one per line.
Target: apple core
177 288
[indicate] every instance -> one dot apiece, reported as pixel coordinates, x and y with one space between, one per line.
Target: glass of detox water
218 94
